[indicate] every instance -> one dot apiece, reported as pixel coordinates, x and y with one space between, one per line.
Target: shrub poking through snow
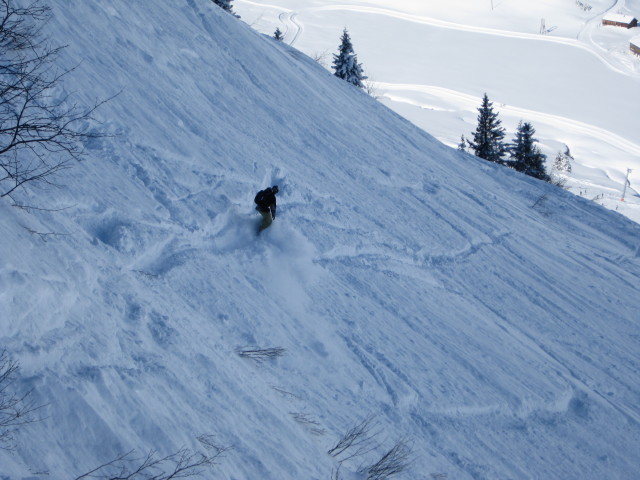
392 463
261 353
358 440
181 464
16 410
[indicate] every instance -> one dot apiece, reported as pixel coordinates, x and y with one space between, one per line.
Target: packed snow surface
485 318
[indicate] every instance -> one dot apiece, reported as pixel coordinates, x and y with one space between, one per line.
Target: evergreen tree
345 63
562 163
525 154
487 139
462 146
224 4
278 35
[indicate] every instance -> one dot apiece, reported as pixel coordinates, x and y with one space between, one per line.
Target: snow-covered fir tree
278 34
562 162
525 156
487 139
345 63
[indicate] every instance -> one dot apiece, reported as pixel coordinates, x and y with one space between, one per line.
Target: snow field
485 317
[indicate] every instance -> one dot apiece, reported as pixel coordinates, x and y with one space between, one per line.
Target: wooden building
619 20
634 45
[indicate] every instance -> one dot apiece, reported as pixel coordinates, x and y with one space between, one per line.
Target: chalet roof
635 41
618 18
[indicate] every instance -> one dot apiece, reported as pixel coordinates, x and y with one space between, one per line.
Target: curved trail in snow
583 40
585 35
288 19
298 26
471 102
576 43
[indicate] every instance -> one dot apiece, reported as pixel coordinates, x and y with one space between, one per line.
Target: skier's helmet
274 189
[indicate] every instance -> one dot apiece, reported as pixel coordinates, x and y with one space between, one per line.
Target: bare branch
358 440
181 464
44 236
16 410
286 393
40 136
393 462
209 443
260 354
309 422
29 208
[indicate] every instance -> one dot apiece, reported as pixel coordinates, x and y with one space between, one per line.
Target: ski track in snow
289 17
470 102
481 314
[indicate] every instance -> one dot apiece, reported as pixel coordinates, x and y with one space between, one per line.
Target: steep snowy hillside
485 319
549 62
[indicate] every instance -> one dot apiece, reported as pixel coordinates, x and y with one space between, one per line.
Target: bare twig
308 421
209 443
45 235
260 354
358 440
181 464
393 462
540 200
29 208
39 135
285 393
16 410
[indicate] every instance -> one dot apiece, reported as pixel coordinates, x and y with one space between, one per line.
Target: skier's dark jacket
266 200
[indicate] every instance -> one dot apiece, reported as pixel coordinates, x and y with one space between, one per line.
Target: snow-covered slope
551 63
486 318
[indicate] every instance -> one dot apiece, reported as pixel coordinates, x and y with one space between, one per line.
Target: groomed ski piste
483 320
551 63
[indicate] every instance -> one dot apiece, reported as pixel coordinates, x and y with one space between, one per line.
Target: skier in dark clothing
266 204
